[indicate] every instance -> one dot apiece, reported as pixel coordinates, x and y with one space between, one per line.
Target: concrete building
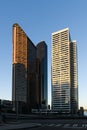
64 72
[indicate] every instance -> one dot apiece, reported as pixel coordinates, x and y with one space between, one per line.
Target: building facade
64 72
74 76
42 57
25 74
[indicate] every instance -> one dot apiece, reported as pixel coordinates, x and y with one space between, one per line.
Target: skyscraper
25 71
24 68
74 76
42 56
64 72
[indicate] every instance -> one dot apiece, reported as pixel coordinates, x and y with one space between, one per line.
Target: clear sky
39 18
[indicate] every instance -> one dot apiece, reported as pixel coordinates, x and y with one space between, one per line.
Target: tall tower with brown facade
25 71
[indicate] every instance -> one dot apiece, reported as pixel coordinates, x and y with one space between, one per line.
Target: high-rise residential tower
74 76
25 71
64 72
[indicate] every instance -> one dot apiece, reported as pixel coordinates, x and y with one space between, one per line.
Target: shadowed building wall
29 71
42 57
74 76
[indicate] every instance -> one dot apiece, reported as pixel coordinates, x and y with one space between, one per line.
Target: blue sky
39 18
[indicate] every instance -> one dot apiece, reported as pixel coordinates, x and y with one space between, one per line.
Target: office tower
42 57
25 72
24 69
64 72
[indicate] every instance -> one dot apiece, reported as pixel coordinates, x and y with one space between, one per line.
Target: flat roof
73 41
60 31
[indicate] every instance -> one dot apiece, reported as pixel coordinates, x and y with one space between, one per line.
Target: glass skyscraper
42 56
28 71
64 72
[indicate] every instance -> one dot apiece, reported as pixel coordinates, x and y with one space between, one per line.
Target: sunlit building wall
29 72
64 82
24 69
